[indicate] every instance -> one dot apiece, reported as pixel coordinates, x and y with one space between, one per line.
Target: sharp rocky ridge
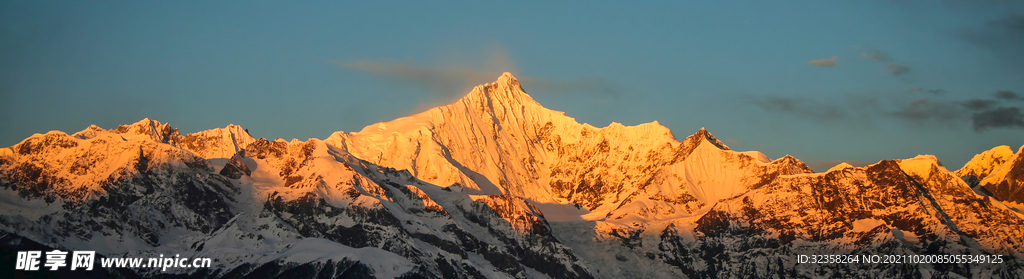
497 186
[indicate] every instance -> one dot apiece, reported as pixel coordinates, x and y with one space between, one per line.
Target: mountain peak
704 135
160 132
506 76
506 90
986 162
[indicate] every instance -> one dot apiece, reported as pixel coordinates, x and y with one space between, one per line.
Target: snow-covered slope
979 167
708 175
999 171
902 207
209 144
110 192
498 140
496 186
275 206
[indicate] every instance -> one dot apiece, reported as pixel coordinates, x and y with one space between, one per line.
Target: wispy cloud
897 69
800 106
929 91
1003 37
874 54
978 104
924 110
894 68
450 82
997 34
594 85
1008 95
1000 112
827 63
445 82
1001 117
982 114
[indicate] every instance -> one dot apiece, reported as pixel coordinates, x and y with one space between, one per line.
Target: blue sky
909 77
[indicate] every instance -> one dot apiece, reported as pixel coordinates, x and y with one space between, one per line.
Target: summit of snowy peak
984 163
840 166
506 90
230 130
142 124
920 165
147 124
703 135
1001 173
90 132
507 80
993 166
650 130
507 77
995 155
791 165
212 143
217 142
160 132
925 158
234 127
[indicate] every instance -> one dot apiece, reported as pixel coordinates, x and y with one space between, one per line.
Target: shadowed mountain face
496 186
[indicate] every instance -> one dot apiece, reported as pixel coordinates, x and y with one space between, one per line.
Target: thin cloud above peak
826 63
449 82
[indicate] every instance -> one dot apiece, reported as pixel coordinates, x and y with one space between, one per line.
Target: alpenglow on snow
496 186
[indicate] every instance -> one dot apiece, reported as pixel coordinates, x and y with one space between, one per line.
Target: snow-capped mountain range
497 186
